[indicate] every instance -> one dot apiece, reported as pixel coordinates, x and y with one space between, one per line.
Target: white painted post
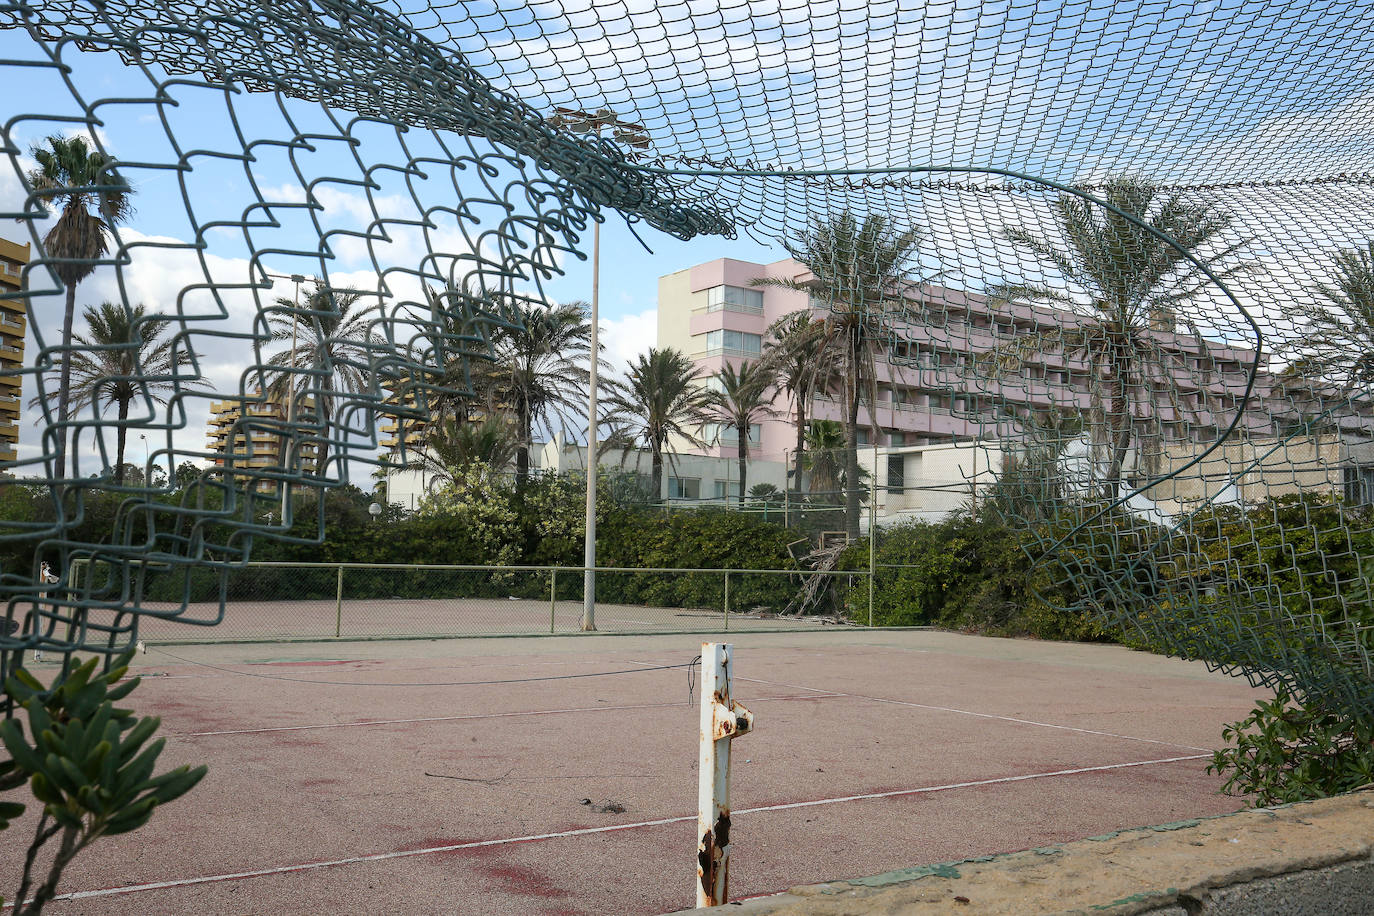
722 720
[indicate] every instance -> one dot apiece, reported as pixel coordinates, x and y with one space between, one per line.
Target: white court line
586 831
486 715
980 715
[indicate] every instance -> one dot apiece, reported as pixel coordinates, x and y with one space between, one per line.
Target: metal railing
281 601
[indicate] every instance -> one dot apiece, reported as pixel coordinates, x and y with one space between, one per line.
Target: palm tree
78 178
1123 285
540 370
459 332
1336 345
122 360
454 339
659 397
792 349
825 456
453 444
861 271
744 398
332 343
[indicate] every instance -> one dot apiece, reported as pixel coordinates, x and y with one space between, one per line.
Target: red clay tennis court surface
379 778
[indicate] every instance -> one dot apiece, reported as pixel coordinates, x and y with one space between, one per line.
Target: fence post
553 596
727 601
722 720
338 604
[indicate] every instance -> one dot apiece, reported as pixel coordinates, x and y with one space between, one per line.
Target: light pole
633 136
589 544
298 279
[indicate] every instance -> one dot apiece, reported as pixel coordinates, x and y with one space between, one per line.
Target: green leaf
173 785
131 817
142 731
75 778
44 791
134 775
23 755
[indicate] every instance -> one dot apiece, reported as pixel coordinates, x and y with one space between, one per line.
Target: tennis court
557 776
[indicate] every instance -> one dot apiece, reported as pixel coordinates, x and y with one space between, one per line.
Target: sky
159 235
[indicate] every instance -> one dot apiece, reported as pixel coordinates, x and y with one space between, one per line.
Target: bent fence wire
1128 247
291 601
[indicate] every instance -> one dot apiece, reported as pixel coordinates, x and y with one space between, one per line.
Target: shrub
1287 752
967 574
88 762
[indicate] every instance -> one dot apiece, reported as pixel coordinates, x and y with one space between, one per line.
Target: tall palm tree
1123 285
454 339
659 397
540 370
792 349
1336 345
744 398
94 198
861 272
461 329
122 360
332 343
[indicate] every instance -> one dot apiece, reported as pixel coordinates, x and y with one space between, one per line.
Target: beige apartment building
13 324
246 435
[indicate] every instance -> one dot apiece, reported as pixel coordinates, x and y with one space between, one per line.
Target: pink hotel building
930 392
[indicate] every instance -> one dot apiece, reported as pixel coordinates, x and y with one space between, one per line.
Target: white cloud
627 337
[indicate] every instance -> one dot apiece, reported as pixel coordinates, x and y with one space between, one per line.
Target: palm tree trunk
851 444
522 451
323 456
121 436
657 458
743 454
64 389
1119 424
801 441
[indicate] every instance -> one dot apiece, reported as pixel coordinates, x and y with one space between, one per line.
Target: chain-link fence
290 601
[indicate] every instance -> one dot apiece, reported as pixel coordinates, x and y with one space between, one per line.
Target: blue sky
137 129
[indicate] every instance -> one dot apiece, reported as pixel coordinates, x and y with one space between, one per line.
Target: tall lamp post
298 279
634 137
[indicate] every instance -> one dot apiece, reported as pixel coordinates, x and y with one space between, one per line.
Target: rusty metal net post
722 721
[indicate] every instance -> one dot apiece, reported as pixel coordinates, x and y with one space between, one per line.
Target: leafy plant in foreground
1286 752
87 761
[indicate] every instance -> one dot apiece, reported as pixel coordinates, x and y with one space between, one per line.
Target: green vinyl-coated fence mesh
1127 248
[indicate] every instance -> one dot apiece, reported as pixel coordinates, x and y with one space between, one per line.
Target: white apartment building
687 479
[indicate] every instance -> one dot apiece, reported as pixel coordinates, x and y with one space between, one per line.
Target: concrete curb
1313 857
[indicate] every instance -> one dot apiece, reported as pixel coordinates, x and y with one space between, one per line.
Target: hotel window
727 489
733 343
734 299
725 434
896 473
684 488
